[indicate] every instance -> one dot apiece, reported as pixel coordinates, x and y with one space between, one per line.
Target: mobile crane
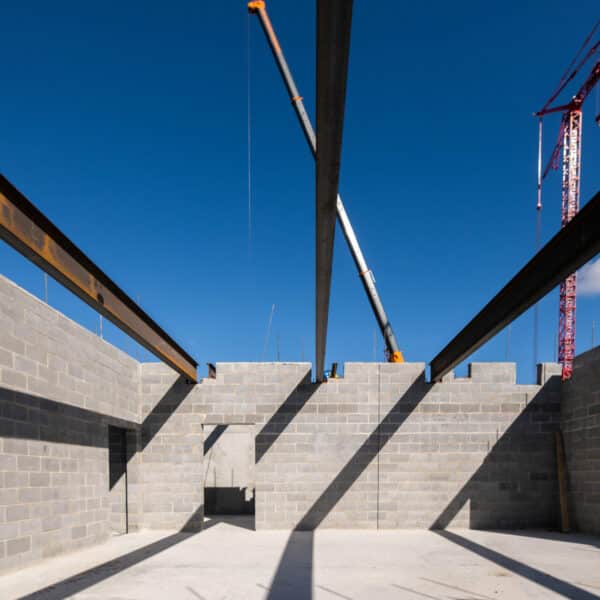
393 352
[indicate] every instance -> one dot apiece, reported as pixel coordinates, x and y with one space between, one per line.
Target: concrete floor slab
229 560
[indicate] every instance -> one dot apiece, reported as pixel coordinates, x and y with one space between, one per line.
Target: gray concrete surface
379 448
580 412
228 561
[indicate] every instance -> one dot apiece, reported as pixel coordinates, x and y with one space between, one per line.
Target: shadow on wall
491 491
32 417
164 408
23 416
27 417
211 440
512 476
284 415
294 575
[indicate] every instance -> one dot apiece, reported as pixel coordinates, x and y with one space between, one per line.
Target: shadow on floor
293 579
294 575
81 581
491 490
554 584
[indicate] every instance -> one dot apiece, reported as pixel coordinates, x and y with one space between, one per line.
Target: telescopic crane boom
366 275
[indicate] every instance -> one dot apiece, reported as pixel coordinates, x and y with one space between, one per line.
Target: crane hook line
538 234
249 132
268 335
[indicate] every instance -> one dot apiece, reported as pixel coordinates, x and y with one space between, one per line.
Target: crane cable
538 236
249 133
573 67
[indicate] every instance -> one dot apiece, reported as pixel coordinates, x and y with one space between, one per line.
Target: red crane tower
569 140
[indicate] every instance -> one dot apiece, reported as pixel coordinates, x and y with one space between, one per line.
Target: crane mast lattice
569 140
571 168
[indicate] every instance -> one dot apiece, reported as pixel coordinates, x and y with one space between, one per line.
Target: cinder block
18 546
493 372
13 378
6 358
18 512
10 343
548 371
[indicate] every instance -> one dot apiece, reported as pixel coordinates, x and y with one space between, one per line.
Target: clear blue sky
125 122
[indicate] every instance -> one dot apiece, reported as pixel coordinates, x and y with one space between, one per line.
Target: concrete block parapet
387 372
547 372
501 372
261 372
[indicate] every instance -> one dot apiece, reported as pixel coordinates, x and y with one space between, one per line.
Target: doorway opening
229 483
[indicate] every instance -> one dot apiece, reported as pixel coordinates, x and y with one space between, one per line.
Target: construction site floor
228 560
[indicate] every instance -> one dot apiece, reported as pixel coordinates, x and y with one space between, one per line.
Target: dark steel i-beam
366 275
334 20
25 228
573 246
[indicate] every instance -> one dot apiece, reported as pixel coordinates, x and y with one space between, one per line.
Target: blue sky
126 123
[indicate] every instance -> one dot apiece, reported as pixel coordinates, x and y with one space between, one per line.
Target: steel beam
366 275
574 245
27 230
334 20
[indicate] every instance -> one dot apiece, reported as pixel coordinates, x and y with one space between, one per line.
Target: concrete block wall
44 353
173 416
171 451
379 447
60 388
581 432
475 452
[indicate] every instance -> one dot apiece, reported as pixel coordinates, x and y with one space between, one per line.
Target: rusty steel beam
574 245
334 20
27 230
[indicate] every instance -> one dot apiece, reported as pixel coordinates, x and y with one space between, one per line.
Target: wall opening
229 484
117 480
